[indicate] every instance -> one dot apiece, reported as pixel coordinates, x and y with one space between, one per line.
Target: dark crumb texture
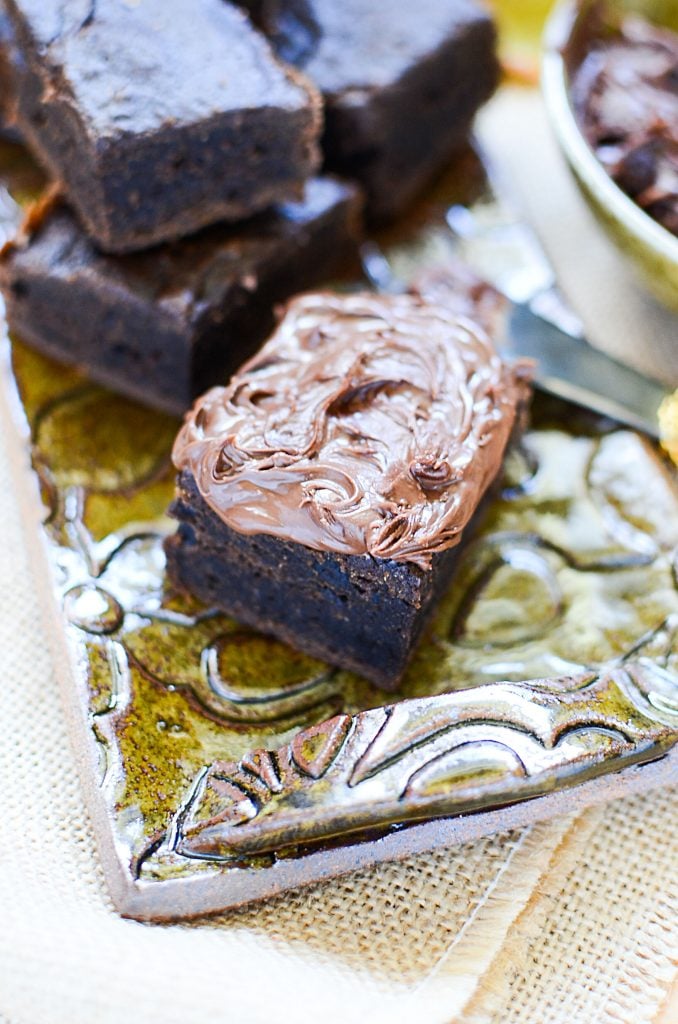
356 612
401 83
163 325
148 112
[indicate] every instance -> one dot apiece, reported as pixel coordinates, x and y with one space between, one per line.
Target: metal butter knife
500 248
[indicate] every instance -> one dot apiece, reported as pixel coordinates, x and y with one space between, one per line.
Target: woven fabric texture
572 921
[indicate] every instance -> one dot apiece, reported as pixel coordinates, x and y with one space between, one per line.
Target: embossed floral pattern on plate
553 658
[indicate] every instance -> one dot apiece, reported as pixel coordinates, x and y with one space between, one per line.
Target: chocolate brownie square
323 494
149 112
162 325
401 83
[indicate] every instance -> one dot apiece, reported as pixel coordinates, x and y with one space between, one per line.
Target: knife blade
492 240
569 367
541 326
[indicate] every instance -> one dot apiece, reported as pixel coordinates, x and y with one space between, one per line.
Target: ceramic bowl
653 249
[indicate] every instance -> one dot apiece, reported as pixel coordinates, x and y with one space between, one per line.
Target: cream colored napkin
572 922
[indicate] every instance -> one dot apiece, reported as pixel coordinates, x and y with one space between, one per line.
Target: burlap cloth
574 921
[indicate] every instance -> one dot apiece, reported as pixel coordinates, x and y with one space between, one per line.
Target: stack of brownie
187 140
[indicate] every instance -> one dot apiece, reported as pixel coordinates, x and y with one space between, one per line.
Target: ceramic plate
222 767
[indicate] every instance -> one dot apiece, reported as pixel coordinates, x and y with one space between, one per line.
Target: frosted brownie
162 325
401 82
149 112
323 494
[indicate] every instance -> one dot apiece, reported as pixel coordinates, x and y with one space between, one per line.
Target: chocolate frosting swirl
368 424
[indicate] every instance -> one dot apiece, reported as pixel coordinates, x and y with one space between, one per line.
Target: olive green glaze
435 756
652 248
20 176
101 442
566 573
572 568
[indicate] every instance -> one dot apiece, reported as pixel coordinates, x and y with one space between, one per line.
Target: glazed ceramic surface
222 766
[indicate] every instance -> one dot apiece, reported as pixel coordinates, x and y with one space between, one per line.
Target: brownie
401 83
625 95
323 494
148 112
162 325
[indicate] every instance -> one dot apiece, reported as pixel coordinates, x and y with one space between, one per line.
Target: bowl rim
580 156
